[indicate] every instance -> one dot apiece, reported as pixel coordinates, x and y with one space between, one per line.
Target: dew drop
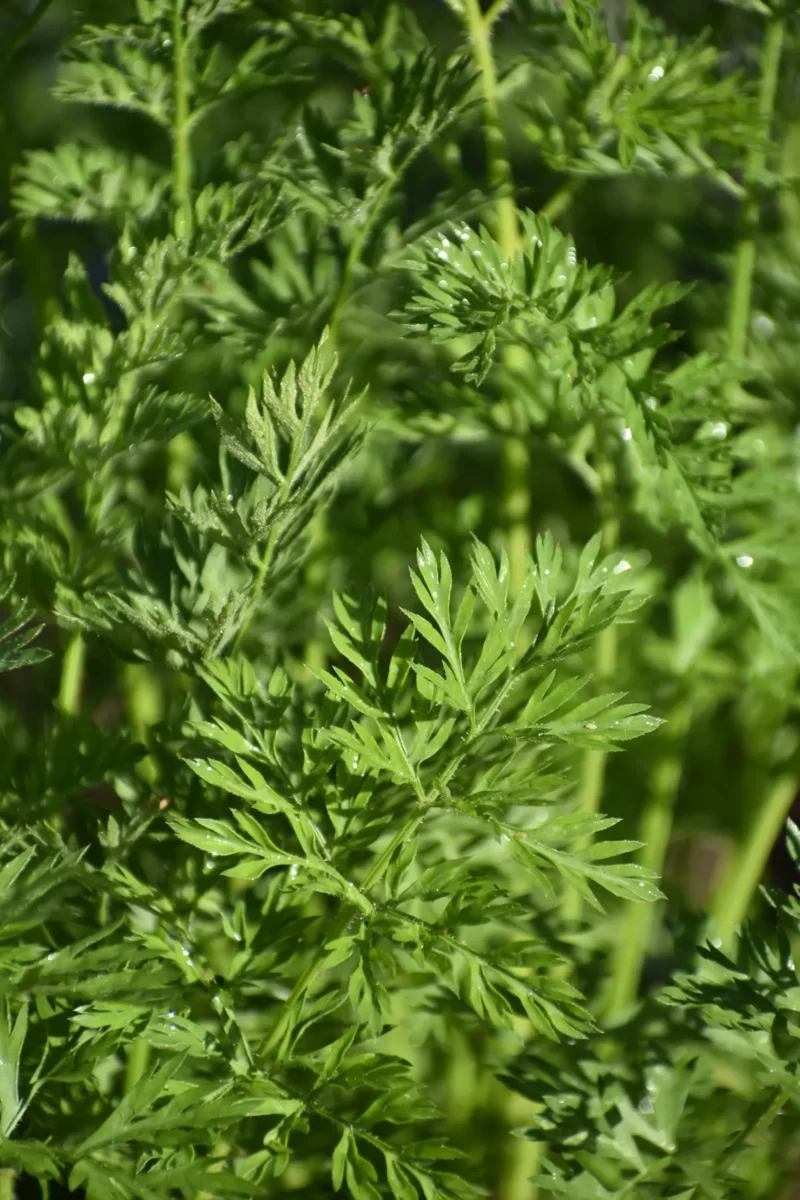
476 253
744 560
442 283
89 377
651 402
229 497
656 73
442 254
719 431
627 434
762 327
572 256
624 565
646 1104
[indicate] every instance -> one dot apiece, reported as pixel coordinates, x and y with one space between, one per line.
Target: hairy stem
744 262
656 827
745 871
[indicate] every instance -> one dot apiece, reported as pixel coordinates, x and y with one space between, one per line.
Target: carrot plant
377 535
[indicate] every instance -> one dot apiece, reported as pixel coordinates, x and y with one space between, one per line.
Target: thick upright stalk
656 827
516 456
181 150
7 1191
520 1158
744 263
741 880
499 168
745 871
594 764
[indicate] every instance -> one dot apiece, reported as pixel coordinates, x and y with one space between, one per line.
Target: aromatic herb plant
371 547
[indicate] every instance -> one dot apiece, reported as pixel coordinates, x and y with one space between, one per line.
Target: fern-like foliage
302 878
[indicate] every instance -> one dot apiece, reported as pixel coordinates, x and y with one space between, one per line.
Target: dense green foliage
371 547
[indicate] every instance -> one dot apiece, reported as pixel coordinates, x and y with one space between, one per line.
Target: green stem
516 499
495 11
741 879
500 178
69 692
14 45
356 250
309 975
594 764
560 201
519 1157
261 578
656 827
314 651
757 1128
745 871
145 701
7 1191
181 150
744 262
517 506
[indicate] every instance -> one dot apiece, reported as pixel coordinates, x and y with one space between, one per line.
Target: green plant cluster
371 546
